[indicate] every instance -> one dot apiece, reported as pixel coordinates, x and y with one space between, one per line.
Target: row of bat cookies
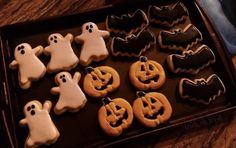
61 52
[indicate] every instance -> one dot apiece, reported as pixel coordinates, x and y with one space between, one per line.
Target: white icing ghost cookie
62 54
41 127
71 96
94 46
30 67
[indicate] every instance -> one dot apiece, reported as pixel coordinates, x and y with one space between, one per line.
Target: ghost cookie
151 109
61 52
99 81
42 130
115 116
30 67
147 74
94 46
71 97
201 90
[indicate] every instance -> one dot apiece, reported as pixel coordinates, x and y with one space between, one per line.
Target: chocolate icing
132 45
196 60
168 14
180 38
202 90
127 22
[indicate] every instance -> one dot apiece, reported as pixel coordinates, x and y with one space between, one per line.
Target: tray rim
4 89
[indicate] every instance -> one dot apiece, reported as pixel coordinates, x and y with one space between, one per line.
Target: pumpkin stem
143 59
106 100
89 69
140 94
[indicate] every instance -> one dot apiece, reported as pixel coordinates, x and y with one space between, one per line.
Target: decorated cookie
71 97
115 116
168 15
133 45
42 130
191 61
30 67
147 74
61 52
179 39
151 109
201 90
127 23
94 46
99 81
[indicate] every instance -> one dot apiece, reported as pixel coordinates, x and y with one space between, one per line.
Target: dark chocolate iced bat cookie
133 45
127 23
179 39
201 90
167 15
191 61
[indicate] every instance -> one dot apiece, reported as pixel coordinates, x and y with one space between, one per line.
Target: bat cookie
127 23
30 67
42 130
94 46
201 90
133 45
191 61
61 52
168 15
178 39
71 96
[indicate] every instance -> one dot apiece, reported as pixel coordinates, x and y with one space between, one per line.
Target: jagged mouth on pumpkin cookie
105 86
154 79
120 121
154 116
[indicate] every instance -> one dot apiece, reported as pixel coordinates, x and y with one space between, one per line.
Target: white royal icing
62 54
30 67
71 97
41 127
94 46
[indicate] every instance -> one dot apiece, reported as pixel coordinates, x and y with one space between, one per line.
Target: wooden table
216 132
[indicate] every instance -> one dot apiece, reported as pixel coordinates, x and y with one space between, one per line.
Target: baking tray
82 128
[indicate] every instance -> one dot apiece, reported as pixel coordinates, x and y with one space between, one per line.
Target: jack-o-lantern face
115 116
99 81
152 108
147 74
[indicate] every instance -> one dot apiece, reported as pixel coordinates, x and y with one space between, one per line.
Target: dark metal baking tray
82 128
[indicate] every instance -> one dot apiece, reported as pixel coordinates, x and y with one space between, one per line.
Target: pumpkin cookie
152 108
147 74
115 116
99 81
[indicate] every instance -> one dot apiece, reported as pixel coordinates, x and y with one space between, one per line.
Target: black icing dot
32 112
61 77
22 47
55 41
51 38
90 31
55 37
32 106
64 80
87 27
18 48
28 108
91 26
22 52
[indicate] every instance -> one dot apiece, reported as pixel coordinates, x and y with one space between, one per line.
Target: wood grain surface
219 133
